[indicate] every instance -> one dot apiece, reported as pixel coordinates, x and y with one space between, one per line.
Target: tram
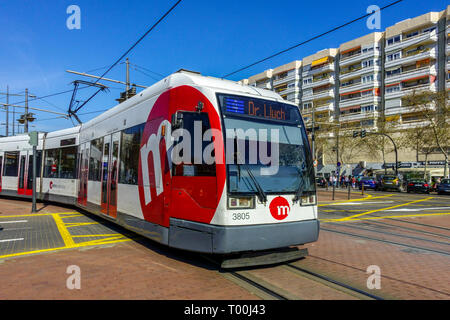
192 162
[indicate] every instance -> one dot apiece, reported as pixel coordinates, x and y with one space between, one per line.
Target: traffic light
355 134
363 133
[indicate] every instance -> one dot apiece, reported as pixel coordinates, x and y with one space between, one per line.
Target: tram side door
23 187
29 184
110 170
1 170
83 171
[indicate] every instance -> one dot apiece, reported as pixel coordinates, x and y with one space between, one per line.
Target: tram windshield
266 140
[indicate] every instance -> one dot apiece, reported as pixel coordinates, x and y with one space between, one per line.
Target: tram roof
184 77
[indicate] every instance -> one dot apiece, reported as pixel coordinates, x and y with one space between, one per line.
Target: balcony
359 72
411 74
326 67
325 107
323 94
359 116
360 100
293 77
405 91
359 86
402 110
411 41
358 57
416 56
290 90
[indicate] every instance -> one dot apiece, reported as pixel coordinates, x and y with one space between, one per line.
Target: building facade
367 79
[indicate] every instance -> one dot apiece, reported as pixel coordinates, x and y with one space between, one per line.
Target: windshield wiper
299 192
261 194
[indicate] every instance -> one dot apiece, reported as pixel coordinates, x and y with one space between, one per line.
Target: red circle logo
51 184
279 208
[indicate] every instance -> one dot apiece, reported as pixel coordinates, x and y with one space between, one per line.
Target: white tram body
120 166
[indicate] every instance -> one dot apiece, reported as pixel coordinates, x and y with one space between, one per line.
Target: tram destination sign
258 108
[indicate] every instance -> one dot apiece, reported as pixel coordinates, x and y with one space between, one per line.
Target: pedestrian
353 182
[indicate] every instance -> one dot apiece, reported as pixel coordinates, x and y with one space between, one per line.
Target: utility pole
26 111
7 111
127 86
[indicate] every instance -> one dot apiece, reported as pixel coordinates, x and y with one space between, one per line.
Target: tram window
129 154
11 164
68 163
197 167
61 163
95 160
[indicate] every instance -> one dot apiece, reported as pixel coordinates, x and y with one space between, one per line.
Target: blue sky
213 37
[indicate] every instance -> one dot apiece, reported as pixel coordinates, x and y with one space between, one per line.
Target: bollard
348 192
362 188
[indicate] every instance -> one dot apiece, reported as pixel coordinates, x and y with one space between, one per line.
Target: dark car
369 183
418 185
321 182
444 186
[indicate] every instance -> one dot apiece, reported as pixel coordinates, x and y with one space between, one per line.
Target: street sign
33 138
315 163
338 164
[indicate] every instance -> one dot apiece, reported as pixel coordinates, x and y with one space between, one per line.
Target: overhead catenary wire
310 39
126 53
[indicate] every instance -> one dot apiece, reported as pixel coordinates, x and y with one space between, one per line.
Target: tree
433 109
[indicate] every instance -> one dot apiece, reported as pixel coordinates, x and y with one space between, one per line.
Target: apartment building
261 80
447 32
360 79
411 64
286 80
319 86
367 79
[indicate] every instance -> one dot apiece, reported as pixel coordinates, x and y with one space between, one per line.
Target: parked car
320 182
369 183
444 186
391 182
418 185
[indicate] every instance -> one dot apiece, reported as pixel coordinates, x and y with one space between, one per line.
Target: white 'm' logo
283 210
152 146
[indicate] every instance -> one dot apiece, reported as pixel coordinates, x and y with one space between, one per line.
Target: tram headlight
308 200
241 202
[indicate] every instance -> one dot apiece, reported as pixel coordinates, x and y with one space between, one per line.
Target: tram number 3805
241 216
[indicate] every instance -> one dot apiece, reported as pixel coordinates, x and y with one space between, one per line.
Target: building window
412 34
308 80
393 88
394 56
367 93
393 40
11 164
393 72
368 78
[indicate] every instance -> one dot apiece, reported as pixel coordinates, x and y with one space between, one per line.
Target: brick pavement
406 273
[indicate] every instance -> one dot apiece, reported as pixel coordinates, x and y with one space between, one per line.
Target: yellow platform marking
383 209
79 224
68 238
62 248
95 235
369 197
65 234
72 216
388 217
35 214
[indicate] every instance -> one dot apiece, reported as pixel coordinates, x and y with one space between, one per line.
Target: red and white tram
121 165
